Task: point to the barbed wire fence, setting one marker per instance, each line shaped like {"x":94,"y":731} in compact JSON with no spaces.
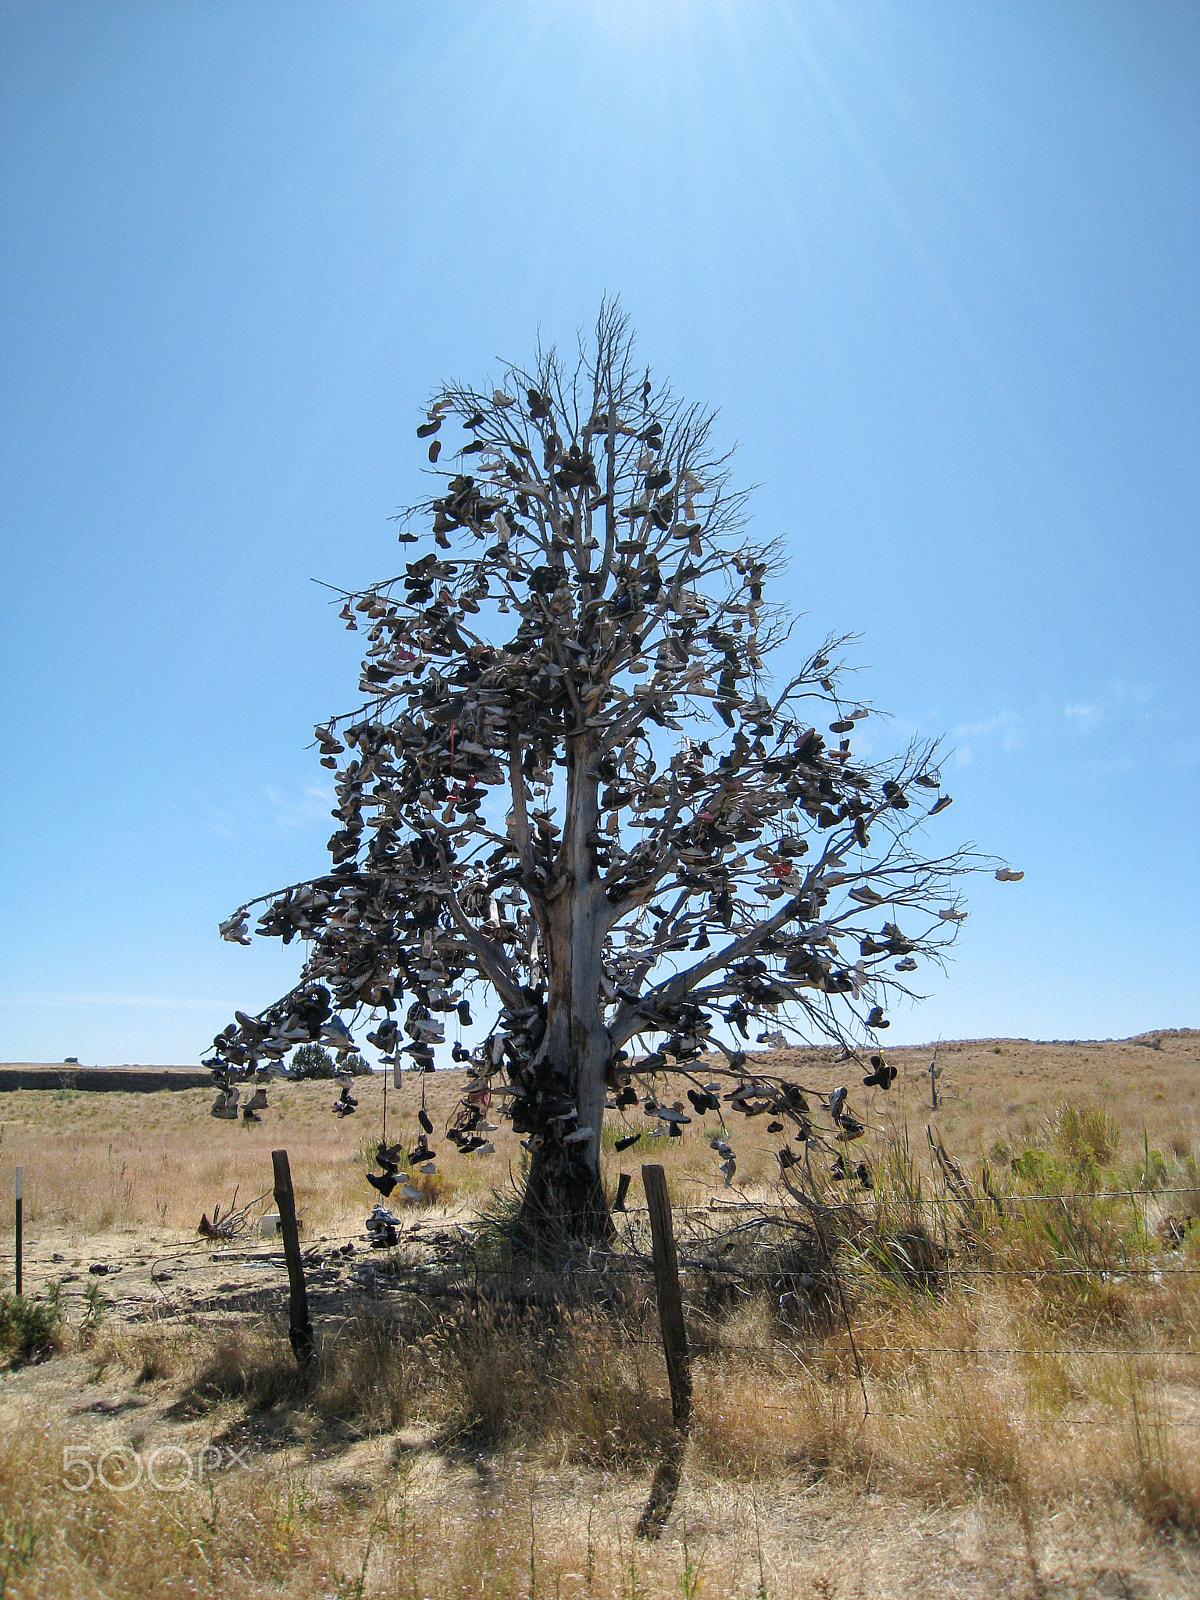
{"x":439,"y":1258}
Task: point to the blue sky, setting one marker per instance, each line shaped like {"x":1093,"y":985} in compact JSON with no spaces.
{"x":935,"y":264}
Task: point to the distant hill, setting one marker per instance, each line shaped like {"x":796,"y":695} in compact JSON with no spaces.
{"x":69,"y":1075}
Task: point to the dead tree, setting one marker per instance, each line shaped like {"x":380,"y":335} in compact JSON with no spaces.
{"x":575,"y":783}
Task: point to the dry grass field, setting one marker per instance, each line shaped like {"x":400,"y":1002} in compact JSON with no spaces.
{"x":1030,"y":1367}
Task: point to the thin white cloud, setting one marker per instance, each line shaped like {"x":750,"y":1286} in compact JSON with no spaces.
{"x":1003,"y":729}
{"x":1118,"y":697}
{"x":1083,"y":717}
{"x":269,"y":810}
{"x":292,"y":811}
{"x":1131,"y":694}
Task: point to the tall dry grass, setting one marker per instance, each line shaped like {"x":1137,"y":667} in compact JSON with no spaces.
{"x":476,"y":1429}
{"x":950,"y":1341}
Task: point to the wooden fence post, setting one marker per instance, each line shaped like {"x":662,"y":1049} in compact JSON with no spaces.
{"x":299,"y":1329}
{"x":20,"y":1229}
{"x":670,"y":1300}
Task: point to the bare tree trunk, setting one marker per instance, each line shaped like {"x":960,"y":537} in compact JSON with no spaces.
{"x":564,"y":1194}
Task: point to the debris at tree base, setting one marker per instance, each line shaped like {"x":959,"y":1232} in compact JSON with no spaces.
{"x":235,"y":1222}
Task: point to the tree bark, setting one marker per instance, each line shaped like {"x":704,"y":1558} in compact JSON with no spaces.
{"x":564,"y":1193}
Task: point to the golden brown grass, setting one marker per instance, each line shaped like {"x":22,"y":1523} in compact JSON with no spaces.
{"x":502,"y":1502}
{"x":153,"y":1163}
{"x":1015,"y":1358}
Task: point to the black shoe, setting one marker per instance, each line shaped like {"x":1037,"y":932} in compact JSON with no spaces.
{"x":882,"y":1076}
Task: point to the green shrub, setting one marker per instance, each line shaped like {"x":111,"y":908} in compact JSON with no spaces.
{"x":1074,"y":1149}
{"x":30,"y":1330}
{"x":314,"y":1061}
{"x":1086,"y":1135}
{"x":1040,"y":1169}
